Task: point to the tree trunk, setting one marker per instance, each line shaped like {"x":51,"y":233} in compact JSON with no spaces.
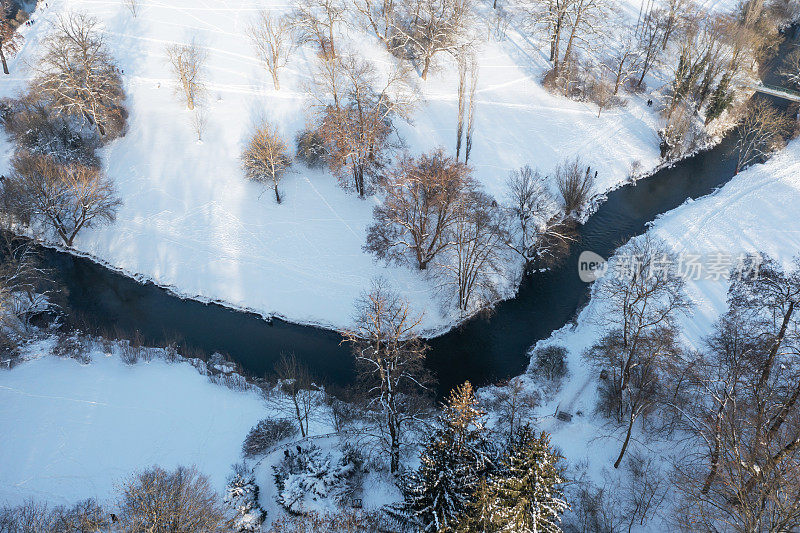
{"x":426,"y":67}
{"x":625,"y":444}
{"x":277,"y":194}
{"x":3,"y":59}
{"x":275,"y":81}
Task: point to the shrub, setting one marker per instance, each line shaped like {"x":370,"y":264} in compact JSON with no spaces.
{"x":574,"y":184}
{"x":179,"y":501}
{"x":309,"y":481}
{"x":550,"y":362}
{"x":35,"y":517}
{"x":242,"y":497}
{"x":266,"y":434}
{"x":73,"y":346}
{"x":311,"y":148}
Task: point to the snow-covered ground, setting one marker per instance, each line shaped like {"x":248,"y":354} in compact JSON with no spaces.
{"x":70,"y":431}
{"x":190,"y":221}
{"x":757,"y":211}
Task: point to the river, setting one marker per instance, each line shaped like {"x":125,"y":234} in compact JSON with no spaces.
{"x":481,"y":350}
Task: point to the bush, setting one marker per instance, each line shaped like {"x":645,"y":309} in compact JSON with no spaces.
{"x":309,"y":481}
{"x":311,"y":148}
{"x":73,"y":346}
{"x":242,"y":497}
{"x":266,"y":434}
{"x":179,"y":501}
{"x":550,"y":362}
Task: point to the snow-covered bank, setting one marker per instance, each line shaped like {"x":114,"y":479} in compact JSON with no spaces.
{"x":72,"y":431}
{"x":191,"y":222}
{"x":757,"y":211}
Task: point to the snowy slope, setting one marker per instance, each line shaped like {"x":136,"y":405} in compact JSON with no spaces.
{"x":191,"y":222}
{"x":757,"y":211}
{"x":72,"y":431}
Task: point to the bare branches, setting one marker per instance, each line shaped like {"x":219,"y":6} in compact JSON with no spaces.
{"x":132,"y":6}
{"x":266,"y":157}
{"x":10,"y":40}
{"x":421,"y":202}
{"x":761,"y":132}
{"x":188,"y":62}
{"x":317,"y":21}
{"x":271,"y":37}
{"x":574,"y":184}
{"x":389,"y":358}
{"x":76,"y":73}
{"x":65,"y":198}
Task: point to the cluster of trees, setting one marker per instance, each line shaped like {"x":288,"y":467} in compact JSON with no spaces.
{"x":435,"y":214}
{"x":469,"y":481}
{"x":734,"y":402}
{"x":11,"y":18}
{"x":73,"y":106}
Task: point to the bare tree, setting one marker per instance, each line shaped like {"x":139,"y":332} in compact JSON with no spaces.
{"x":132,"y":6}
{"x":389,"y":358}
{"x":422,"y":197}
{"x":530,"y":207}
{"x":65,"y":198}
{"x":199,"y":120}
{"x":296,"y":384}
{"x":790,"y":70}
{"x":574,"y":184}
{"x":761,"y":132}
{"x":24,"y":284}
{"x":641,"y":292}
{"x":473,"y":84}
{"x":180,"y":501}
{"x":318,"y":21}
{"x":356,"y":127}
{"x":469,"y":268}
{"x":271,"y":36}
{"x":266,"y":158}
{"x":76,"y":72}
{"x":188,"y":65}
{"x":649,"y":39}
{"x":515,"y":405}
{"x":436,"y":26}
{"x":10,"y":40}
{"x":382,"y":17}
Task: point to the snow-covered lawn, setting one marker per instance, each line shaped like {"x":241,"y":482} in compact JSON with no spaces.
{"x":70,"y":431}
{"x":191,"y":222}
{"x":757,"y":211}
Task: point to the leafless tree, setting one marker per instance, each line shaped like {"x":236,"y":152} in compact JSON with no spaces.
{"x":132,"y":6}
{"x":180,"y":501}
{"x":25,"y":284}
{"x":436,"y":26}
{"x":389,"y":358}
{"x":76,"y":72}
{"x":10,"y":40}
{"x":642,"y":292}
{"x":63,"y":197}
{"x":574,"y":184}
{"x":470,"y":267}
{"x":296,"y":384}
{"x":188,"y":65}
{"x":199,"y":120}
{"x":356,"y":126}
{"x":422,"y":197}
{"x":266,"y":158}
{"x":271,"y":37}
{"x":473,"y":84}
{"x":318,"y":21}
{"x":515,"y":405}
{"x":761,"y":132}
{"x":530,"y":206}
{"x":623,"y":56}
{"x":649,"y":39}
{"x":382,"y":17}
{"x":790,"y":70}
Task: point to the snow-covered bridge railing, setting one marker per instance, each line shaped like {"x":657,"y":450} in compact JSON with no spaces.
{"x":779,"y":92}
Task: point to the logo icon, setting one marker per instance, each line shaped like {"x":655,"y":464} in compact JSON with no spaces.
{"x":591,"y":266}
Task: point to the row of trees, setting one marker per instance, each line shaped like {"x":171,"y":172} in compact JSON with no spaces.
{"x":735,"y":400}
{"x":73,"y":105}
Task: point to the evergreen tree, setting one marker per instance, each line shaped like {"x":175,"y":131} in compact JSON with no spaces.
{"x":456,"y":457}
{"x":720,"y":99}
{"x":524,"y":495}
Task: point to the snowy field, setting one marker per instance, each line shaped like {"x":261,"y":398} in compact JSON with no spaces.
{"x":74,"y":431}
{"x":191,"y":222}
{"x":757,"y":211}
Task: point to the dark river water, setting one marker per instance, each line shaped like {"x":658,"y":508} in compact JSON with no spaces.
{"x":482,"y":350}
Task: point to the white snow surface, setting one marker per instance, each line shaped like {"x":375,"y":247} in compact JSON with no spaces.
{"x":191,"y":222}
{"x":757,"y":211}
{"x":72,"y":431}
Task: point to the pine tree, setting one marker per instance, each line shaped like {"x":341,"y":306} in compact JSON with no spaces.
{"x":524,"y":495}
{"x":720,"y":99}
{"x":455,"y":458}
